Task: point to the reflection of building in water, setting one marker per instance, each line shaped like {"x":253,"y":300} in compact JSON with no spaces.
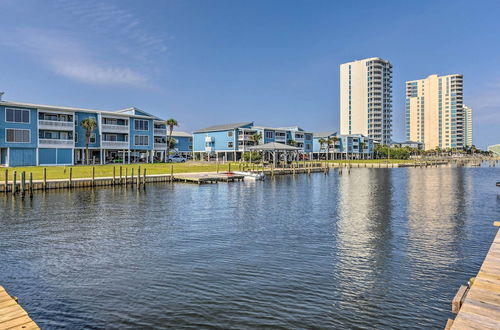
{"x":436,"y":209}
{"x":364,"y":231}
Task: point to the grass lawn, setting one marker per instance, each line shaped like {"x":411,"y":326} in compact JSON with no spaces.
{"x":81,"y":171}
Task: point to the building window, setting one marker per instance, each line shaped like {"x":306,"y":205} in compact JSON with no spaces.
{"x":229,"y":133}
{"x":141,"y":140}
{"x":17,"y":116}
{"x":92,"y":138}
{"x":141,"y":125}
{"x":18,"y":135}
{"x":230,"y":144}
{"x":269,"y":134}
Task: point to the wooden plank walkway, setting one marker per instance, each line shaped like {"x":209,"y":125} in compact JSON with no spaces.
{"x":478,"y":306}
{"x":12,"y":315}
{"x":208,"y":177}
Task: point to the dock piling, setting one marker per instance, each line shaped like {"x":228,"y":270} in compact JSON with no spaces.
{"x":171,"y":173}
{"x":93,"y":176}
{"x":23,"y":183}
{"x":6,"y":180}
{"x":14,"y":182}
{"x":44,"y":178}
{"x":70,"y":177}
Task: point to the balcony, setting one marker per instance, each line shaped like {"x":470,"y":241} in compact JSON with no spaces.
{"x":160,"y":146}
{"x":280,"y":138}
{"x":107,"y":128}
{"x":55,"y":143}
{"x":209,"y":139}
{"x":160,"y":131}
{"x":56,"y":125}
{"x":114,"y":145}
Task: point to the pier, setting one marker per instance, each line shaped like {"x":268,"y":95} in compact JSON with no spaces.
{"x":477,"y":304}
{"x":12,"y":315}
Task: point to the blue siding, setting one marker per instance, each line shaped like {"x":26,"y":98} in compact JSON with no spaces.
{"x":3,"y":156}
{"x":81,"y":131}
{"x":22,"y":157}
{"x":32,"y":126}
{"x":65,"y":156}
{"x":184,"y":143}
{"x":149,"y":133}
{"x":220,"y":141}
{"x":47,"y":156}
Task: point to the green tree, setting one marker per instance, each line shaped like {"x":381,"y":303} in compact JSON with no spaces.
{"x":322,"y":142}
{"x":89,"y":124}
{"x":255,"y":138}
{"x":170,"y":123}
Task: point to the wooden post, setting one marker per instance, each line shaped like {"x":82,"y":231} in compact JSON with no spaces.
{"x":70,"y":177}
{"x":217,"y":166}
{"x":139,"y":178}
{"x":23,"y":183}
{"x":126,"y":176}
{"x":121,"y":181}
{"x":6,"y":180}
{"x":93,"y":176}
{"x":171,"y":173}
{"x":31,"y":183}
{"x":114,"y":175}
{"x":14,"y":183}
{"x":144,"y":180}
{"x":132,"y":182}
{"x":44,"y":178}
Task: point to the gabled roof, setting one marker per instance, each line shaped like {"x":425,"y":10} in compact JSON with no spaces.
{"x":324,"y":134}
{"x":133,"y":111}
{"x":274,"y":146}
{"x":181,"y":134}
{"x":225,"y":127}
{"x":69,"y":109}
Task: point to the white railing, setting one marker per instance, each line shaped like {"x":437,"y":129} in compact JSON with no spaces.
{"x":160,"y":145}
{"x":209,"y":149}
{"x":160,"y":131}
{"x":54,"y":124}
{"x":55,"y":143}
{"x":115,"y":128}
{"x":114,"y":144}
{"x":209,"y":139}
{"x":297,"y":139}
{"x":281,"y":138}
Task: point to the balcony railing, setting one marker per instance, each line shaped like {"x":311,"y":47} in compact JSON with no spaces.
{"x":55,"y":124}
{"x":55,"y":143}
{"x":115,"y":144}
{"x":115,"y":128}
{"x":160,"y":145}
{"x":160,"y":131}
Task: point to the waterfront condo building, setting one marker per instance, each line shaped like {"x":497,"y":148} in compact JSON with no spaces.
{"x":468,"y":126}
{"x":352,"y":146}
{"x":35,"y":134}
{"x":366,"y":99}
{"x":434,"y":111}
{"x":230,"y":141}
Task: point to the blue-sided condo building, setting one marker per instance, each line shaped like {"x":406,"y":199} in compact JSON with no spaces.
{"x":35,"y":134}
{"x":230,"y":141}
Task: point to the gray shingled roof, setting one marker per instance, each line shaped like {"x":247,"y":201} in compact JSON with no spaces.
{"x":324,"y":134}
{"x":274,"y":146}
{"x":225,"y":127}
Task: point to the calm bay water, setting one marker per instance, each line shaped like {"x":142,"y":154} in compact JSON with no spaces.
{"x":378,"y":248}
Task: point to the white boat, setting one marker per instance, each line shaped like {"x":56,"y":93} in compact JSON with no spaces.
{"x":252,"y":175}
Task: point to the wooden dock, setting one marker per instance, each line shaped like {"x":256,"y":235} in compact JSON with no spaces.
{"x":200,"y":178}
{"x":12,"y":315}
{"x":477,"y":304}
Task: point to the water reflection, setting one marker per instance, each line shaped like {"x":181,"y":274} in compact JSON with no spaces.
{"x":376,"y":248}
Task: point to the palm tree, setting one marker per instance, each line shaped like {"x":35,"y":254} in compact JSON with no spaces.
{"x":89,"y":124}
{"x":170,"y":123}
{"x":171,"y":142}
{"x":291,"y":142}
{"x":322,"y":142}
{"x":335,"y":139}
{"x":362,"y":146}
{"x":255,"y":138}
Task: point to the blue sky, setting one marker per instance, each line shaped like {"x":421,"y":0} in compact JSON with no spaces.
{"x":206,"y":62}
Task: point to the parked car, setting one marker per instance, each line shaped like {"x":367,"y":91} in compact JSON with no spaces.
{"x":176,"y":159}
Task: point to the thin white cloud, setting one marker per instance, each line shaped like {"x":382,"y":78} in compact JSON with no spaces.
{"x":68,"y":57}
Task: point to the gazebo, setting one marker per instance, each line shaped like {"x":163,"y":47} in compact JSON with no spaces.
{"x":277,"y":151}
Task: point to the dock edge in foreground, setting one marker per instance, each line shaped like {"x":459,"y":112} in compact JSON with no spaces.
{"x":12,"y":315}
{"x":477,"y":305}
